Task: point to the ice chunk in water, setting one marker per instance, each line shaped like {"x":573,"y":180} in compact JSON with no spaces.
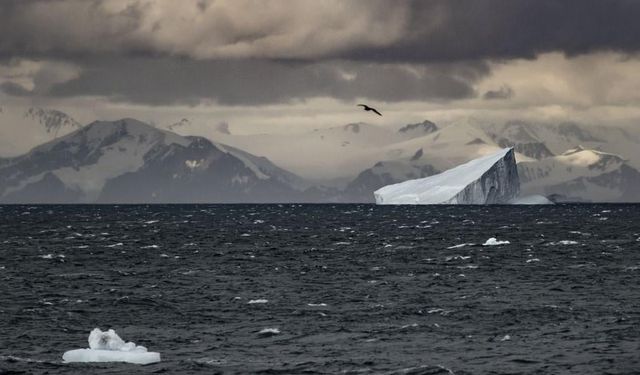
{"x":493,"y":242}
{"x":109,"y":347}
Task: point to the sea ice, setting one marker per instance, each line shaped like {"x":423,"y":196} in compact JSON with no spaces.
{"x":107,"y":346}
{"x":493,"y":242}
{"x":487,"y":180}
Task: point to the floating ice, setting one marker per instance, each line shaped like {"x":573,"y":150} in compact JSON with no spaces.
{"x":109,"y":347}
{"x":487,"y":180}
{"x":269,"y":331}
{"x":493,"y":242}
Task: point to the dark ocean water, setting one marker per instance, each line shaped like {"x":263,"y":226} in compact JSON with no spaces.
{"x":351,"y":288}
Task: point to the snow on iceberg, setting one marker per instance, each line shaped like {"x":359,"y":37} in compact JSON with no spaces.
{"x":109,"y":347}
{"x":486,"y":180}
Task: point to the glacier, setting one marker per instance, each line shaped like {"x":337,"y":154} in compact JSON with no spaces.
{"x":107,"y":346}
{"x":491,"y":179}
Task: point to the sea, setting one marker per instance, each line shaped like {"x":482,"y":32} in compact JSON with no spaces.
{"x":324,"y":289}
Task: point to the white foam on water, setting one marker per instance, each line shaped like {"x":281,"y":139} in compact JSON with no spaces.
{"x":460,"y":245}
{"x":457,"y":257}
{"x":316,"y":304}
{"x":51,"y":256}
{"x":256,"y":301}
{"x":563,"y":242}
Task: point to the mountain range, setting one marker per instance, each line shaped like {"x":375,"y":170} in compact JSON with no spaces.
{"x":128,"y":161}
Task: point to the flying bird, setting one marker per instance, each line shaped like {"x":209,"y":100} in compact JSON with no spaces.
{"x":367,"y":108}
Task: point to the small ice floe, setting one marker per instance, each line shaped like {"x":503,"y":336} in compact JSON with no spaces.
{"x":266,"y":332}
{"x":109,"y":347}
{"x":506,"y":338}
{"x":460,"y":245}
{"x":317,"y":304}
{"x":256,"y":301}
{"x":494,"y":242}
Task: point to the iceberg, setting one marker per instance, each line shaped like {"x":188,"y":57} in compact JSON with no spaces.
{"x":107,"y":346}
{"x":492,"y":179}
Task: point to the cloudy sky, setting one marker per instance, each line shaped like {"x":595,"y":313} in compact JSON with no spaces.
{"x":290,"y":65}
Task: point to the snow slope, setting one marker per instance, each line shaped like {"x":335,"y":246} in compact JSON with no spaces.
{"x":129,"y":161}
{"x":582,"y":174}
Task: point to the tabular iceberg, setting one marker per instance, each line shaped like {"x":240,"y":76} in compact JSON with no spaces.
{"x":492,"y":179}
{"x":109,"y":347}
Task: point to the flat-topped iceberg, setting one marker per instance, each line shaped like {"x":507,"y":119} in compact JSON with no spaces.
{"x":109,"y":347}
{"x":492,"y":179}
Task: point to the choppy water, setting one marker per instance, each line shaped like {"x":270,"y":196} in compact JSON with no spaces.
{"x":351,"y":288}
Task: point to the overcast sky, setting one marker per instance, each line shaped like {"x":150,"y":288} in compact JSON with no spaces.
{"x":276,"y":65}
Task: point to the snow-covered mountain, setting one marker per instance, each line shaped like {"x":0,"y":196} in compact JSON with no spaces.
{"x":582,"y":174}
{"x":541,"y":150}
{"x":52,"y":120}
{"x":320,"y":154}
{"x":129,"y":161}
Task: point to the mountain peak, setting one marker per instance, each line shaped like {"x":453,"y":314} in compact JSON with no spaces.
{"x":52,"y":119}
{"x":425,"y":127}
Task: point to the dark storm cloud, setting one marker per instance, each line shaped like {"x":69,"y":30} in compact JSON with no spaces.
{"x":14,"y":89}
{"x":374,"y":30}
{"x":449,"y":30}
{"x":257,"y":82}
{"x":245,"y":52}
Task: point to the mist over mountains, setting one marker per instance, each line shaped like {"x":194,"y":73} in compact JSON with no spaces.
{"x":128,"y":161}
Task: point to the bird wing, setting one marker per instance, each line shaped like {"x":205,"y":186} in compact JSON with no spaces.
{"x":376,"y":111}
{"x":363,"y":105}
